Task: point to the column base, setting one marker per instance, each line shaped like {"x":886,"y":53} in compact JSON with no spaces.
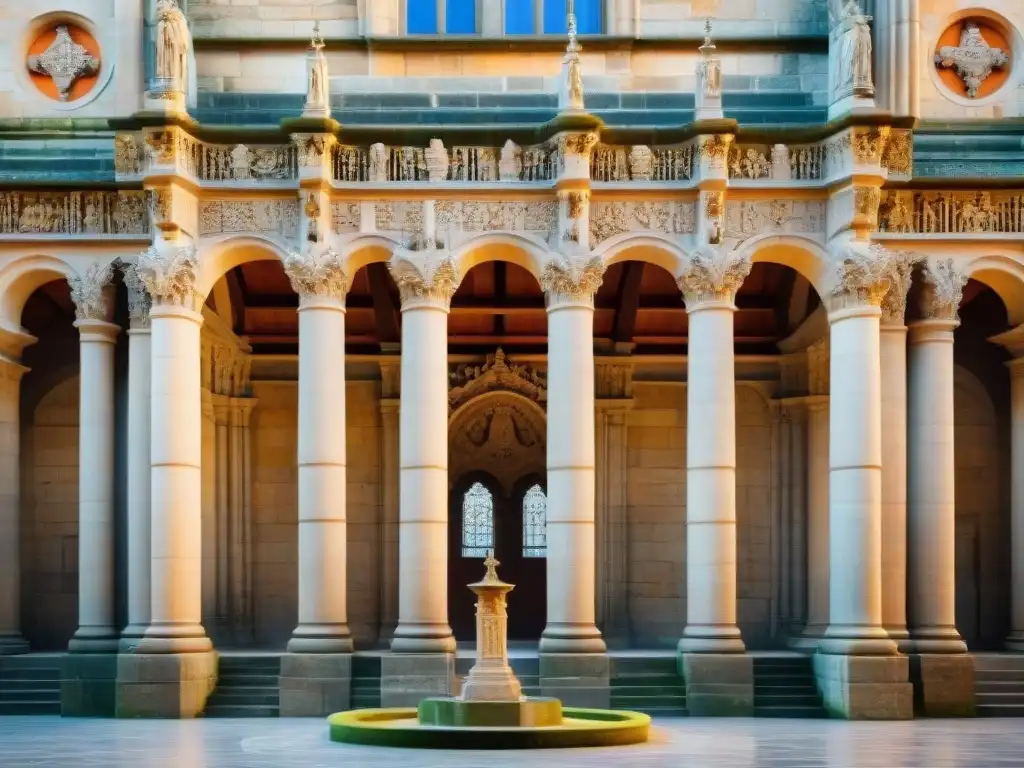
{"x":839,"y":640}
{"x":865,"y":687}
{"x":13,"y":645}
{"x":321,"y":639}
{"x":95,"y":640}
{"x":718,"y":685}
{"x":576,"y":679}
{"x":170,"y":685}
{"x":423,"y":638}
{"x":408,"y":678}
{"x":315,"y":684}
{"x":1015,"y":642}
{"x":87,"y":685}
{"x":561,"y":638}
{"x":173,"y":640}
{"x":131,"y":636}
{"x":943,"y":685}
{"x":715,"y":639}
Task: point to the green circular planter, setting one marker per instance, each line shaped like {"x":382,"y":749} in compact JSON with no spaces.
{"x":400,"y":728}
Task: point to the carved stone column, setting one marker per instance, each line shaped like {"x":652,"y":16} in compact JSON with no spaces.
{"x":422,"y":661}
{"x":1015,"y":640}
{"x":574,"y":662}
{"x":390,"y":374}
{"x":173,"y":669}
{"x":858,"y":669}
{"x":719,"y":677}
{"x":87,"y":687}
{"x":893,"y":368}
{"x":316,"y":673}
{"x":139,"y":438}
{"x":942,"y":673}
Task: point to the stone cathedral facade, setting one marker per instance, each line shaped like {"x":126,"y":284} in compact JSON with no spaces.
{"x":705,"y":317}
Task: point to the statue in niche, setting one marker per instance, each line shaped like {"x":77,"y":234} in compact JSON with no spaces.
{"x":851,"y":41}
{"x":173,"y":42}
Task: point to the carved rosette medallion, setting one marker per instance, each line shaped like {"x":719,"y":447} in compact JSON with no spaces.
{"x":975,"y":59}
{"x":425,"y":278}
{"x":169,"y":274}
{"x":572,"y":280}
{"x":712,"y":275}
{"x":91,"y":292}
{"x":319,"y":274}
{"x":64,"y":62}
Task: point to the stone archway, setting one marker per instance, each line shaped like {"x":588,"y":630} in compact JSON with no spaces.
{"x":497,"y":435}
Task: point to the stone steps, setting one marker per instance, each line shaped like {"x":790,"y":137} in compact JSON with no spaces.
{"x":784,"y":687}
{"x":30,"y":685}
{"x":365,"y":690}
{"x":999,"y":685}
{"x":247,"y":686}
{"x":648,"y":684}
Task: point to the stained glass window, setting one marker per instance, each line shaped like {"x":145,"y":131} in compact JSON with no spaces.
{"x":535,"y":523}
{"x":460,"y":17}
{"x":477,"y":521}
{"x":519,"y":17}
{"x":421,"y":17}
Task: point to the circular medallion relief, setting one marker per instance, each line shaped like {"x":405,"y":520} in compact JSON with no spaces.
{"x":64,"y":61}
{"x":972,"y":58}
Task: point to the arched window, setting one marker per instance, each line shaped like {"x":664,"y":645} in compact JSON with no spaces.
{"x":477,"y":521}
{"x":535,"y":523}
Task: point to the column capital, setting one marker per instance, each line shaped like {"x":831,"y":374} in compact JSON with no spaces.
{"x":140,"y":303}
{"x":169,"y":274}
{"x":425,"y":279}
{"x":711,"y":277}
{"x":894,"y":303}
{"x":92,"y":291}
{"x":943,"y":291}
{"x":568,"y":280}
{"x":864,"y":274}
{"x":319,"y":277}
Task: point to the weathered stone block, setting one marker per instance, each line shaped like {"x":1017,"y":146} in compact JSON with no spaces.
{"x":315,"y":685}
{"x":577,"y":679}
{"x":87,"y":687}
{"x":164,"y":686}
{"x":943,"y":685}
{"x":408,"y":678}
{"x":718,"y":685}
{"x":865,"y":687}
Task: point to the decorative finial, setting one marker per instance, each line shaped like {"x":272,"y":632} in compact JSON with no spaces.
{"x":317,"y":43}
{"x":492,"y":566}
{"x":708,"y":46}
{"x":570,"y":25}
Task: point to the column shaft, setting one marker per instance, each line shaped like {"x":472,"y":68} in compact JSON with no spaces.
{"x":323,"y":616}
{"x":139,"y":494}
{"x":176,"y":541}
{"x":931,"y":490}
{"x":1015,"y":640}
{"x":711,"y":482}
{"x":11,"y":641}
{"x":893,"y":350}
{"x":571,"y":572}
{"x":855,"y":487}
{"x":96,"y":631}
{"x":423,"y":483}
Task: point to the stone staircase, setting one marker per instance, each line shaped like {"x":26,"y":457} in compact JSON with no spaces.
{"x":648,"y":684}
{"x":247,"y":686}
{"x":30,"y":685}
{"x":784,"y":686}
{"x":999,"y":685}
{"x":365,"y":682}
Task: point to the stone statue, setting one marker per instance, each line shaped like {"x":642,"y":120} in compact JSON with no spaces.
{"x":173,"y":43}
{"x":851,"y":50}
{"x":317,"y":85}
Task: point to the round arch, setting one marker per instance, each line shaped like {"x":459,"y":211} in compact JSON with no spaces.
{"x":364,"y":250}
{"x":1005,"y":276}
{"x":523,"y":250}
{"x":649,"y":247}
{"x":20,"y":278}
{"x":217,"y":258}
{"x":805,"y":256}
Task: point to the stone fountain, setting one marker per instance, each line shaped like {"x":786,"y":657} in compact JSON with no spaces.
{"x":491,"y":712}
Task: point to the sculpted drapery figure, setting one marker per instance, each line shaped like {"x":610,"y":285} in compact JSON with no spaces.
{"x":172,"y":43}
{"x":317,"y":83}
{"x":851,"y":50}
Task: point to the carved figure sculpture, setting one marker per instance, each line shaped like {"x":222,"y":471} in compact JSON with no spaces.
{"x":974,"y":59}
{"x":510,"y":165}
{"x":852,"y":50}
{"x":64,"y":61}
{"x":173,"y":43}
{"x":317,"y":78}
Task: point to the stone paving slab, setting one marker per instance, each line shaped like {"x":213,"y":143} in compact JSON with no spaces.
{"x":52,"y":742}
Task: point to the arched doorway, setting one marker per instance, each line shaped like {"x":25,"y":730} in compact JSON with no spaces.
{"x":498,"y":493}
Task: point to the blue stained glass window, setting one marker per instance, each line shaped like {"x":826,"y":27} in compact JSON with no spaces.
{"x":554,"y":17}
{"x":588,"y":17}
{"x":460,"y":17}
{"x":519,"y":17}
{"x":421,"y":17}
{"x":535,"y":523}
{"x":477,"y":521}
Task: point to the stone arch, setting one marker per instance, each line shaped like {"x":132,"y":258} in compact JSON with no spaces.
{"x":20,"y":278}
{"x":806,"y":256}
{"x":220,"y":256}
{"x":650,"y":247}
{"x":367,"y":249}
{"x":523,"y":250}
{"x":1004,"y":275}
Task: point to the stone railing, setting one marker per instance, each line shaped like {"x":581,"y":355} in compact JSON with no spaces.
{"x":777,"y":162}
{"x":237,"y":162}
{"x":74,"y":213}
{"x":610,"y":163}
{"x":931,"y":213}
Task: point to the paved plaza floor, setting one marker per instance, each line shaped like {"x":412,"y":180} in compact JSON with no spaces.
{"x":45,"y":742}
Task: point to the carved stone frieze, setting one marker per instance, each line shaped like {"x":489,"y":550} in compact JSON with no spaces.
{"x":567,"y":279}
{"x":64,"y":62}
{"x":455,"y":216}
{"x":159,"y":147}
{"x":427,"y":278}
{"x":974,"y":59}
{"x":498,"y":373}
{"x":221,"y":217}
{"x":745,"y":219}
{"x":92,"y":292}
{"x":311,"y":148}
{"x":399,"y":216}
{"x":943,"y":290}
{"x":898,"y":155}
{"x":931,"y":213}
{"x":868,"y":144}
{"x":345,"y":217}
{"x":748,"y":163}
{"x":139,"y":301}
{"x":128,"y":154}
{"x":169,"y":274}
{"x":865,"y":203}
{"x":712,"y":274}
{"x":74,"y":213}
{"x":613,"y":380}
{"x":714,"y":215}
{"x":672,"y":217}
{"x":579,"y":144}
{"x":319,"y":273}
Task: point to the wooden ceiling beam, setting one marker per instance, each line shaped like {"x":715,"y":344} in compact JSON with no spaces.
{"x":628,"y":302}
{"x":385,"y":308}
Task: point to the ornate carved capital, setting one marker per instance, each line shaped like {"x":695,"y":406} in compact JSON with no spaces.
{"x":425,"y":278}
{"x":577,"y":143}
{"x":712,"y":274}
{"x":894,"y":303}
{"x":139,"y":300}
{"x":568,"y":279}
{"x":319,"y":274}
{"x":943,"y":290}
{"x":91,"y":292}
{"x":864,"y":275}
{"x":169,"y":274}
